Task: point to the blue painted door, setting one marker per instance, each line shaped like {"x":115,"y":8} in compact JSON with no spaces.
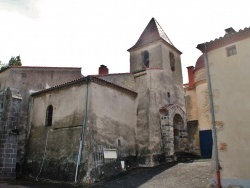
{"x":206,"y":143}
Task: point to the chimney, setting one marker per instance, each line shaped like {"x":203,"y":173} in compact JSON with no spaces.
{"x":103,"y":70}
{"x":229,"y":31}
{"x":190,"y":76}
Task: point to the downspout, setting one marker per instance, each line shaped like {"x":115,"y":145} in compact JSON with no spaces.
{"x":213,"y":119}
{"x":81,"y":146}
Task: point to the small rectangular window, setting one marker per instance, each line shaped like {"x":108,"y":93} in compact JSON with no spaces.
{"x":231,"y":50}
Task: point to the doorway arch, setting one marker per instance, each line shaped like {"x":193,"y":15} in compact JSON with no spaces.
{"x":178,"y":126}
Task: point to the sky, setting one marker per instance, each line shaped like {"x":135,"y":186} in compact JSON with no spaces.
{"x":89,"y":33}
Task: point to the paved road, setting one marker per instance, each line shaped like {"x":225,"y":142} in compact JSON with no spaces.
{"x":182,"y":175}
{"x":134,"y":178}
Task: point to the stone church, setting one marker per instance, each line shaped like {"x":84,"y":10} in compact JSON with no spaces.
{"x":86,"y":128}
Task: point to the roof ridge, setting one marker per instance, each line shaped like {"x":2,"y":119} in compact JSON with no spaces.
{"x":111,"y":74}
{"x":85,"y":79}
{"x":162,"y":33}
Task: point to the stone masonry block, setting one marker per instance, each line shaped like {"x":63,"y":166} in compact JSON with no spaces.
{"x":9,"y":150}
{"x":7,"y":170}
{"x":10,"y":165}
{"x":8,"y":161}
{"x":14,"y":160}
{"x":13,"y":155}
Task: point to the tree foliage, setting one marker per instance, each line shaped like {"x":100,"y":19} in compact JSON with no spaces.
{"x":15,"y":61}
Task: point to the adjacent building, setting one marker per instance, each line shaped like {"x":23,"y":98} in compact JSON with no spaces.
{"x":16,"y":85}
{"x":198,"y":109}
{"x":228,"y":61}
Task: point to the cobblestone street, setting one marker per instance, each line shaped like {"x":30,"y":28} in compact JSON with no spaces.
{"x":182,"y":175}
{"x":194,"y":174}
{"x":186,"y":175}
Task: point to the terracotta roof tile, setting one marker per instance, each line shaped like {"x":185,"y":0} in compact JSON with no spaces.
{"x":225,"y":40}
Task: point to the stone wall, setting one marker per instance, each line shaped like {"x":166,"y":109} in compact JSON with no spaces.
{"x":53,"y":150}
{"x":157,"y":85}
{"x":10,"y":107}
{"x":111,"y":120}
{"x":28,"y":80}
{"x":125,"y":80}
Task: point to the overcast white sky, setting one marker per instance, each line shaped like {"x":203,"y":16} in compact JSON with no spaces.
{"x":88,"y":33}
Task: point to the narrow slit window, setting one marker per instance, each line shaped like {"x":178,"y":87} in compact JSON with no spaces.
{"x":119,"y":142}
{"x":49,"y":115}
{"x":168,"y":93}
{"x":172,"y":61}
{"x":145,"y":56}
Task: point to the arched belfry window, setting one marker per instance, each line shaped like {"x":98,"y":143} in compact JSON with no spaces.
{"x":172,"y":61}
{"x":145,"y":58}
{"x":49,"y":115}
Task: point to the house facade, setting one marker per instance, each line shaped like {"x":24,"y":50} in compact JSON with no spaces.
{"x":228,"y":63}
{"x":101,"y":113}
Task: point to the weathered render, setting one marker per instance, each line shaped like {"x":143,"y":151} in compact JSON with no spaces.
{"x":27,"y":80}
{"x":228,"y":62}
{"x":198,"y":109}
{"x":110,"y":123}
{"x":125,"y":80}
{"x":156,"y":65}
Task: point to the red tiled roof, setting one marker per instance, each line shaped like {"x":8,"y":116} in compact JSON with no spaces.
{"x":225,"y":40}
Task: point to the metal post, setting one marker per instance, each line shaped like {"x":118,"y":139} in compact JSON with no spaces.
{"x":212,"y":118}
{"x":83,"y":131}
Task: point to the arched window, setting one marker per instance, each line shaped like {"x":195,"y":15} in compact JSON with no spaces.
{"x":172,"y":61}
{"x":145,"y":57}
{"x":49,"y":115}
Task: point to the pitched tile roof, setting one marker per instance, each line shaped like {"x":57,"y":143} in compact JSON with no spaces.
{"x":153,"y":32}
{"x":227,"y":39}
{"x":85,"y":80}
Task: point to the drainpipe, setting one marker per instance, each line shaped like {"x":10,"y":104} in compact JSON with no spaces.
{"x":212,"y":118}
{"x":81,"y":146}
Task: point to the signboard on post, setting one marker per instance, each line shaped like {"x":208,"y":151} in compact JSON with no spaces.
{"x":110,"y":154}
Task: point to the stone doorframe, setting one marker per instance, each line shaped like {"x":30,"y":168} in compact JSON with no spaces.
{"x":167,"y":114}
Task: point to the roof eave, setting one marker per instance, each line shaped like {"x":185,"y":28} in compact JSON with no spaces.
{"x":141,"y":46}
{"x":84,"y":80}
{"x":223,"y":41}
